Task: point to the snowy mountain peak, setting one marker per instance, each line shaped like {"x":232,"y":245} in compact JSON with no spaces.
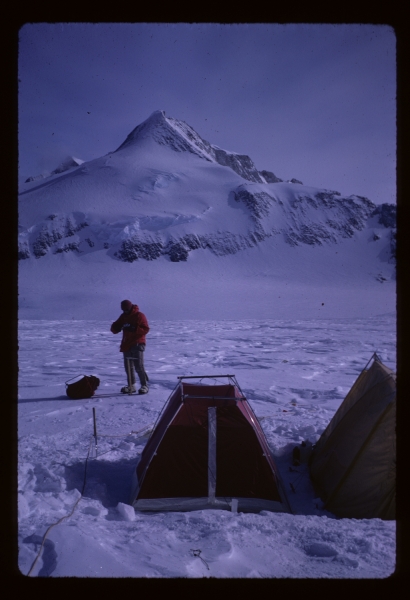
{"x":181,"y":137}
{"x":177,"y":135}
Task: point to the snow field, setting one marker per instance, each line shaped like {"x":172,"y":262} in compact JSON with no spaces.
{"x":295,"y":374}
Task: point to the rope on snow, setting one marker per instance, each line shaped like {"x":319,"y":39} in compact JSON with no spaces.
{"x":62,"y":518}
{"x":81,"y":495}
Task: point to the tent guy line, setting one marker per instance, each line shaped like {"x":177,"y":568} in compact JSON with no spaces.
{"x":84,"y":485}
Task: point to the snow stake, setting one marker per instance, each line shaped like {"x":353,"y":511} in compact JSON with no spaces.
{"x":95,"y":433}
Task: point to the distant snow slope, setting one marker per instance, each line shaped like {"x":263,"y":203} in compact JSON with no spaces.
{"x":167,"y":208}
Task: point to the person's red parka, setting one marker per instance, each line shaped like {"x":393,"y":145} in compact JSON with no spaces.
{"x":129,"y":338}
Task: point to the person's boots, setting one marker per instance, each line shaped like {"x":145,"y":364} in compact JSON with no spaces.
{"x":128,"y":389}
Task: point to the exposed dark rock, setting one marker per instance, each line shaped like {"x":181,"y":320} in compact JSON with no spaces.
{"x":23,"y":251}
{"x":35,"y":178}
{"x":387,"y":214}
{"x":240,"y":163}
{"x":192,"y":241}
{"x":327,"y":197}
{"x":71,"y":227}
{"x":258,"y":203}
{"x":70,"y":247}
{"x":177,"y":252}
{"x":45,"y":240}
{"x":133,"y":249}
{"x":270,"y":177}
{"x":312,"y":235}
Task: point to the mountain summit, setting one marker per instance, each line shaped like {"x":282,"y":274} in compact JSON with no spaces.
{"x":181,"y":137}
{"x":166,"y":196}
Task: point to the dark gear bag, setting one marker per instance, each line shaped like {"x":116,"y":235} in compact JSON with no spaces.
{"x":82,"y":388}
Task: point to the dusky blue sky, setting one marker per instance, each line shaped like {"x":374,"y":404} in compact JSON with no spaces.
{"x":312,"y":101}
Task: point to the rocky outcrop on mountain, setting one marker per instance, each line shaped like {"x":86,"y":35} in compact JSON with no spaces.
{"x":258,"y":203}
{"x":333,"y":217}
{"x":178,"y":249}
{"x":270,"y":177}
{"x":47,"y":235}
{"x":240,"y":163}
{"x":69,"y":163}
{"x":36,"y":177}
{"x":387,"y":214}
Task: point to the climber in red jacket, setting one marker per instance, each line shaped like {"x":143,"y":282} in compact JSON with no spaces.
{"x":134,"y":327}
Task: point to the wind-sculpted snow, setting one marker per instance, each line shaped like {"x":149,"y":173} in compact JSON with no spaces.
{"x":295,"y":373}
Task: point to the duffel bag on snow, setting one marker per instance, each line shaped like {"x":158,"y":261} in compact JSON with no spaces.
{"x":83,"y":387}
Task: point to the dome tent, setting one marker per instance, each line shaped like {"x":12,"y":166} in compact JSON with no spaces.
{"x":207,"y":450}
{"x":353,"y":465}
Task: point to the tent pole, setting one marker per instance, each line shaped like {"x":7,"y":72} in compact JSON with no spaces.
{"x":211,"y":454}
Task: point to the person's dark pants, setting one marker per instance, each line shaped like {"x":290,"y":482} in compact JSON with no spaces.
{"x":136,"y":353}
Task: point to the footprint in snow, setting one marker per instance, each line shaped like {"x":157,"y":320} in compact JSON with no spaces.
{"x":325,"y":552}
{"x":318,"y":550}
